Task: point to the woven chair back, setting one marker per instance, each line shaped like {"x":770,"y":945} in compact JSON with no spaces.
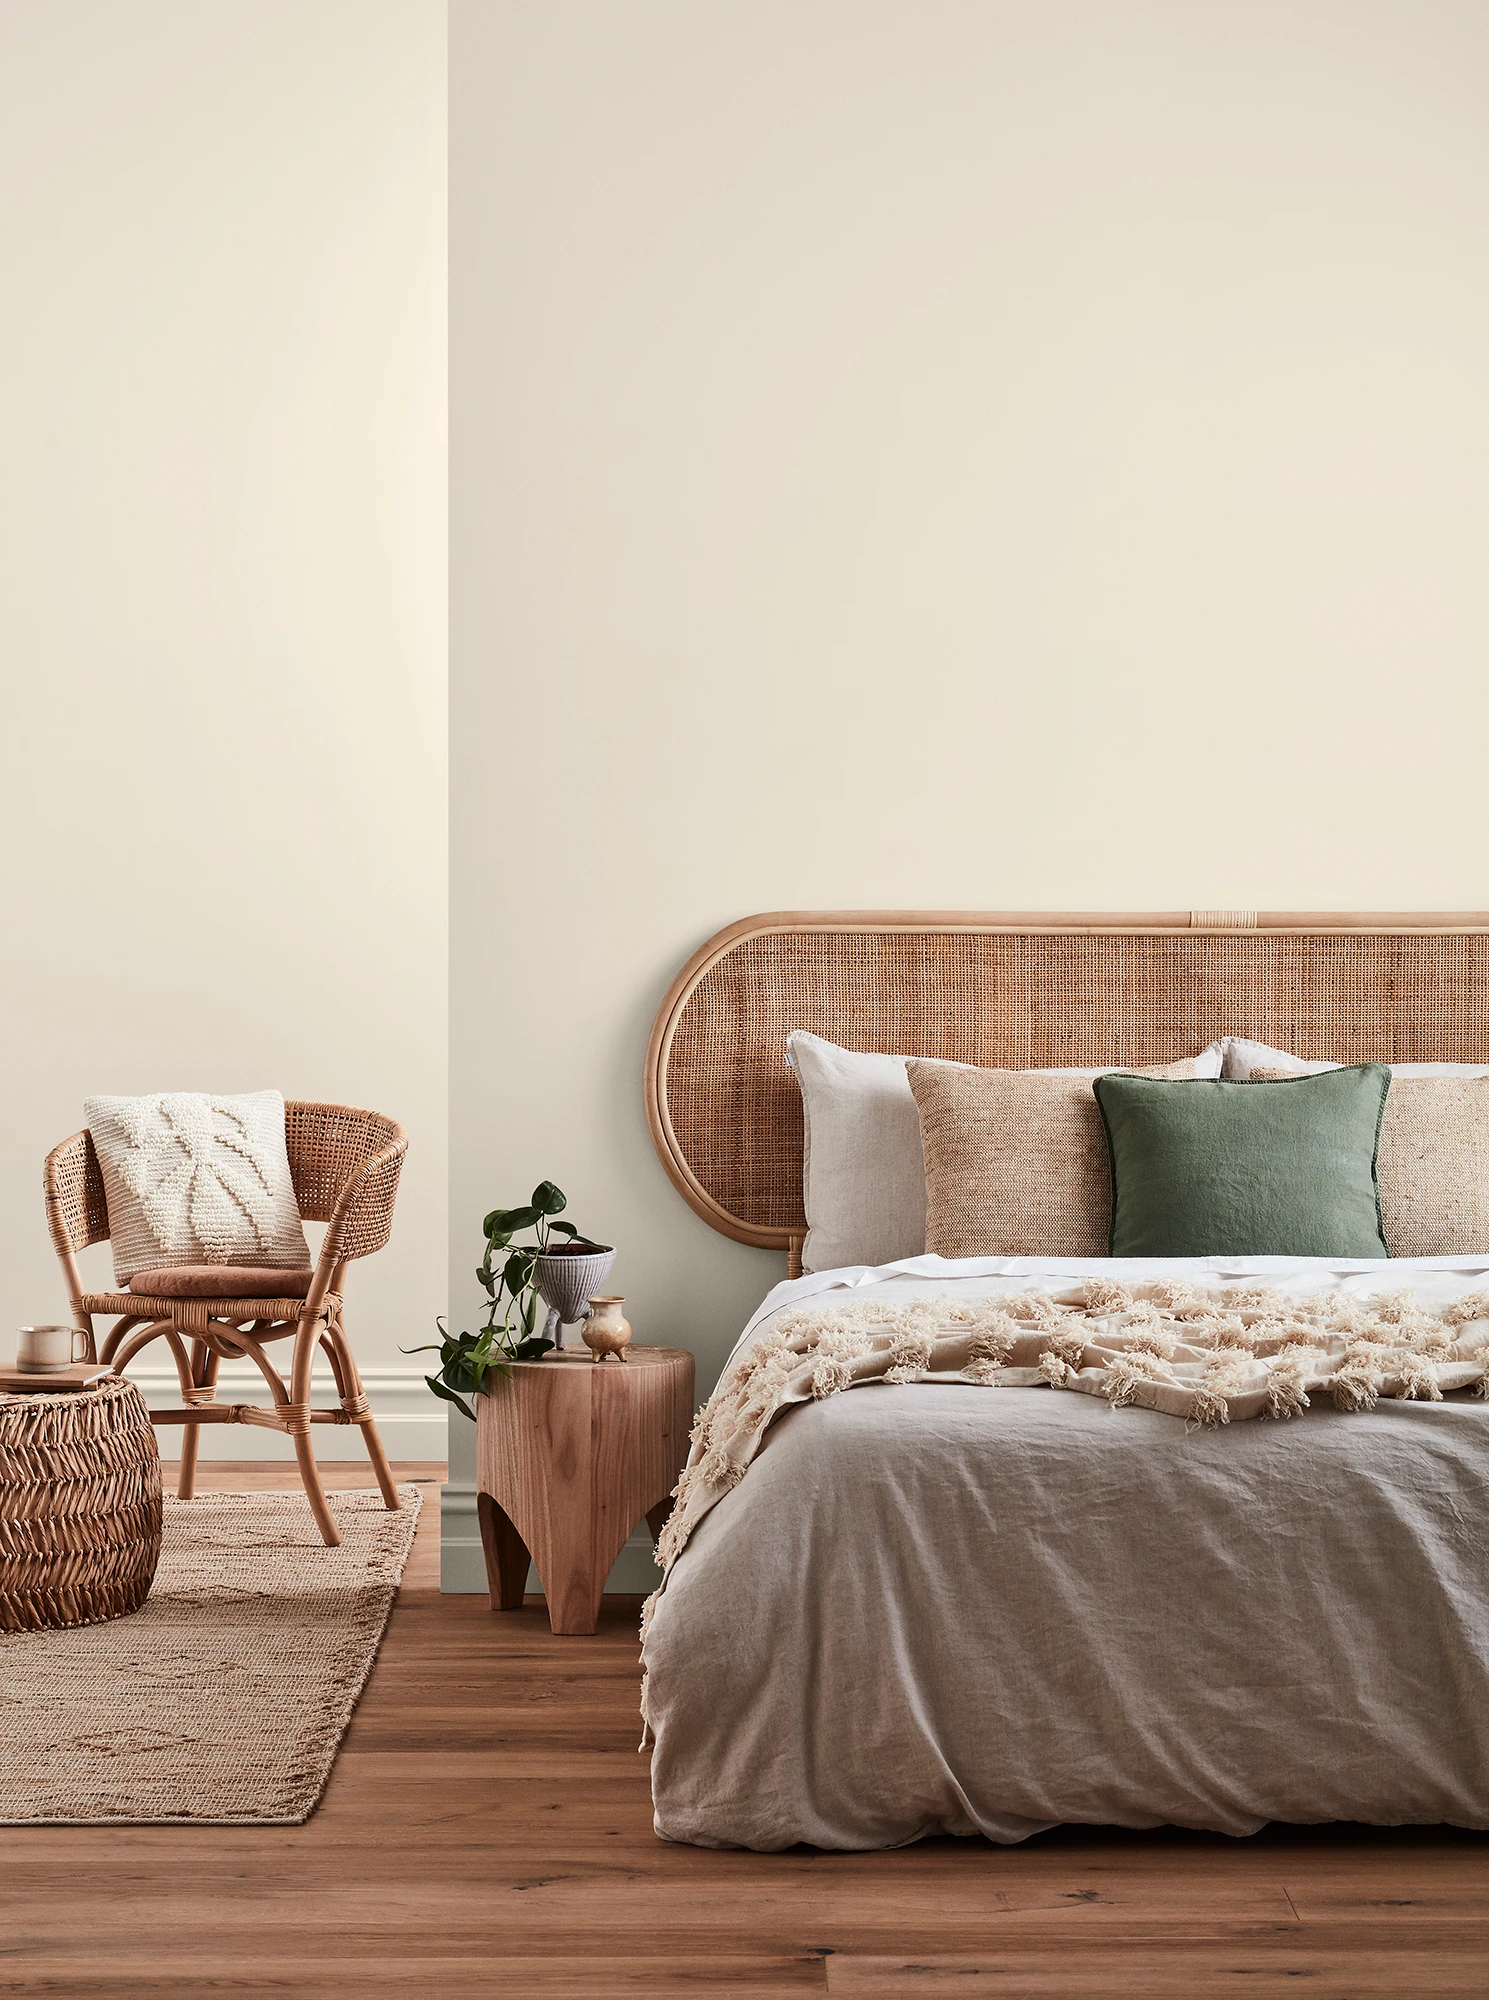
{"x":328,"y":1147}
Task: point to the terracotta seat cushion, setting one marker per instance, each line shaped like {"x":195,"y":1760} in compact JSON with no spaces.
{"x":220,"y":1281}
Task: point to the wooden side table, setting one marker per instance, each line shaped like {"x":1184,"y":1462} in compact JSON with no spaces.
{"x":570,"y":1454}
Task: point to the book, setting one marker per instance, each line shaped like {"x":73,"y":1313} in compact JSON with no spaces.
{"x":51,"y":1381}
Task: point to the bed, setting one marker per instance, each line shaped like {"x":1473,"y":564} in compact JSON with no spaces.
{"x":927,"y":1608}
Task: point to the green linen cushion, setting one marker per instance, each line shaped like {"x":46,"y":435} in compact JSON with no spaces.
{"x":1232,"y":1169}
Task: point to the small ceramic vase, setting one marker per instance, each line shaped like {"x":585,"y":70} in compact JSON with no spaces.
{"x":565,"y":1278}
{"x":607,"y":1330}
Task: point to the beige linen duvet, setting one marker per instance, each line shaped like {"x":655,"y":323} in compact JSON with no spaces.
{"x":946,"y":1607}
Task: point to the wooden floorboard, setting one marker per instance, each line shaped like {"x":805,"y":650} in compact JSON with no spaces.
{"x":487,"y":1830}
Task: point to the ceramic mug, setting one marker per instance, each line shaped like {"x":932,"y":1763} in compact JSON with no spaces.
{"x":40,"y":1349}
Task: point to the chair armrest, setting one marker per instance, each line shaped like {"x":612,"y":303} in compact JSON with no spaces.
{"x":362,"y":1220}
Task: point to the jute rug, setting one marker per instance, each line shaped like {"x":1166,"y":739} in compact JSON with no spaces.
{"x":225,"y":1698}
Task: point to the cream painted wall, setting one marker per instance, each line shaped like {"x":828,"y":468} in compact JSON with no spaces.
{"x":222,"y":593}
{"x":942,"y":453}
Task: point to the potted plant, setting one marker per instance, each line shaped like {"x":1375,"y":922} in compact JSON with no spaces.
{"x":562,"y":1273}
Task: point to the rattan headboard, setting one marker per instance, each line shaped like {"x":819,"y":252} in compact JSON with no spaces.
{"x":1023,"y":991}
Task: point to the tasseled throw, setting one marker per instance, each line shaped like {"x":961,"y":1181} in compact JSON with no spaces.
{"x":1418,"y":1380}
{"x":1104,"y":1295}
{"x":1286,"y":1395}
{"x":1126,"y":1374}
{"x":1167,"y":1347}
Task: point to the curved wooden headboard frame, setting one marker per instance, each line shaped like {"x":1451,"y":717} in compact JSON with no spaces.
{"x":1414,"y":993}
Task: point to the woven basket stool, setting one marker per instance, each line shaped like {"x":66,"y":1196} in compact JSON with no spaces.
{"x":79,"y":1506}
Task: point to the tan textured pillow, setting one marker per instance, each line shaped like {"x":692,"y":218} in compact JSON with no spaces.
{"x":1432,"y":1164}
{"x":1015,"y":1161}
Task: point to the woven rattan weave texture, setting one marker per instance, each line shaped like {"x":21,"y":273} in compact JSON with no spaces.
{"x":1025,"y":992}
{"x":80,"y":1507}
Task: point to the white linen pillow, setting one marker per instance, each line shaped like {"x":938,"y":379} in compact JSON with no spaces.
{"x":196,"y":1179}
{"x":1240,"y":1057}
{"x":863,"y":1167}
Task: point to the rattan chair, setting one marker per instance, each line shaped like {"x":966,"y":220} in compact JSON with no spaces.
{"x":345,"y":1166}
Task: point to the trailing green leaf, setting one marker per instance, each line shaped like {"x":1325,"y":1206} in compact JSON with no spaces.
{"x":529,"y":1350}
{"x":469,"y":1361}
{"x":517,"y":1272}
{"x":449,"y":1396}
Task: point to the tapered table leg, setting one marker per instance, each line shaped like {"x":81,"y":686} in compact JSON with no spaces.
{"x":506,"y":1556}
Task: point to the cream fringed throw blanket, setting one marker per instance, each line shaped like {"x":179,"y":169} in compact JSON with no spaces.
{"x":1206,"y":1357}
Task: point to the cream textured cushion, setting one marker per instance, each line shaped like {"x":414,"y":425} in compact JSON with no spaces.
{"x":863,"y":1172}
{"x":1241,"y":1059}
{"x":1016,"y":1161}
{"x":1432,"y":1162}
{"x":192,"y":1179}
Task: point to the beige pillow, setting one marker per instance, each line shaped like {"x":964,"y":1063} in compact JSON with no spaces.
{"x":1015,"y":1161}
{"x":1432,"y":1164}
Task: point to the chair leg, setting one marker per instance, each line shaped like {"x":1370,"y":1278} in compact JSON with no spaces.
{"x":299,"y":1426}
{"x":380,"y":1465}
{"x":186,"y":1477}
{"x":349,"y":1386}
{"x":204,"y":1365}
{"x":315,"y":1493}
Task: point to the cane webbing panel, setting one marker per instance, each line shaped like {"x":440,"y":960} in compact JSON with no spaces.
{"x":726,"y":1114}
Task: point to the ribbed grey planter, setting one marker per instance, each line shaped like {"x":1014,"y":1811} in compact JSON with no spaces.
{"x":565,"y":1279}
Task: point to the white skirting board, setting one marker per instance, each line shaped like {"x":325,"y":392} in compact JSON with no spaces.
{"x":462,"y":1567}
{"x":410,"y":1421}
